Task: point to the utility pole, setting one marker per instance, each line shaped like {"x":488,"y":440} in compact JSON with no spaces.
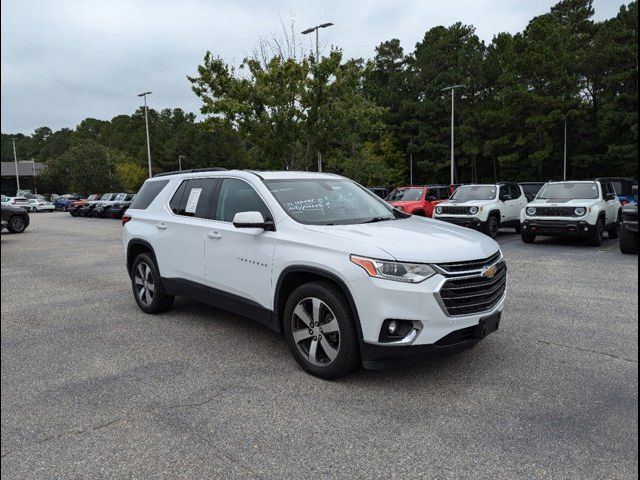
{"x":453,"y":108}
{"x":180,"y":157}
{"x":411,"y":161}
{"x":15,"y":159}
{"x":564,"y":177}
{"x":35,"y":186}
{"x":305,"y":32}
{"x":146,"y":122}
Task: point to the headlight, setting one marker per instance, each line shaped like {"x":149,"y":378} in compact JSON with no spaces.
{"x":397,"y":271}
{"x":473,"y":210}
{"x":580,"y":211}
{"x":531,"y":211}
{"x":438,"y":210}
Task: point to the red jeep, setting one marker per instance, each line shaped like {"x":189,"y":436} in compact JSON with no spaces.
{"x":418,"y":200}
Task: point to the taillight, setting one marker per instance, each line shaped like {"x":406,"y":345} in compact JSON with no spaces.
{"x":125,"y":219}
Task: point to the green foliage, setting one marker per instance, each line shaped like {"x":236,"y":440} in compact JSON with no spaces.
{"x":278,"y":109}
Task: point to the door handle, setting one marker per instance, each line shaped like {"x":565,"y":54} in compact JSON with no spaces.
{"x":214,"y":235}
{"x":162,"y":226}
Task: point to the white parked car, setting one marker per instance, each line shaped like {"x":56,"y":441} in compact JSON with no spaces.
{"x":484,"y":207}
{"x":344,"y":276}
{"x":39,"y":205}
{"x":16,"y":202}
{"x":573,"y":209}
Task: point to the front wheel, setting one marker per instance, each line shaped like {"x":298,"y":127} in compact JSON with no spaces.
{"x":492,"y":226}
{"x":628,"y":241}
{"x":598,"y":233}
{"x":147,"y":287}
{"x":527,"y":236}
{"x":17,"y":224}
{"x":319,"y":330}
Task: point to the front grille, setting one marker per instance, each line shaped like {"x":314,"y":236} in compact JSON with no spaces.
{"x":555,"y":212}
{"x":457,"y":267}
{"x":455,"y":210}
{"x":630,"y":216}
{"x":474,"y":294}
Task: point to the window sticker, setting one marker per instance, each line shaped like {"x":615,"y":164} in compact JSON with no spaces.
{"x":299,"y":206}
{"x":192,"y":201}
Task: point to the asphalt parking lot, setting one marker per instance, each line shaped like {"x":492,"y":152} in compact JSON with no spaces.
{"x":94,"y":388}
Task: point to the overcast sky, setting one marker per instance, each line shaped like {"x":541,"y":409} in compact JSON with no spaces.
{"x":65,"y":60}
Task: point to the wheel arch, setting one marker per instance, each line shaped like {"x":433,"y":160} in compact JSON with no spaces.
{"x":494,"y":213}
{"x":293,"y":276}
{"x":135,"y":247}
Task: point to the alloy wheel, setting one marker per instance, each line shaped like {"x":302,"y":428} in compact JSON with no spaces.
{"x":144,"y":285}
{"x":17,"y":223}
{"x":316,"y":331}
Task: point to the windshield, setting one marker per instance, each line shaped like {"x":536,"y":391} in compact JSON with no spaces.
{"x":329,"y":202}
{"x":106,"y":197}
{"x":568,"y":191}
{"x":120,"y":196}
{"x":475,"y":192}
{"x":405,"y":195}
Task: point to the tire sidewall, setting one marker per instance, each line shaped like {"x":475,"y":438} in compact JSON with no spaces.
{"x":160,"y":301}
{"x":348,"y":356}
{"x":489,"y":230}
{"x":22,"y":226}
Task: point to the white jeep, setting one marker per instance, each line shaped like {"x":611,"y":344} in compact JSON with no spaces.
{"x":484,"y":207}
{"x":575,"y":209}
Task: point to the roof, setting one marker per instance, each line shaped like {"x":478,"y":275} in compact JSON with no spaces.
{"x":25,"y":169}
{"x":264,"y":175}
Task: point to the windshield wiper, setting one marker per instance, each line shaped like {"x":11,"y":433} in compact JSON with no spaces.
{"x":379,"y":219}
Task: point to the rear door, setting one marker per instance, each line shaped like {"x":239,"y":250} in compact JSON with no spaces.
{"x":239,"y":261}
{"x":612,"y":204}
{"x":179,"y":238}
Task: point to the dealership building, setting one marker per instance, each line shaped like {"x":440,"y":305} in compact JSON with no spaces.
{"x":28,"y":173}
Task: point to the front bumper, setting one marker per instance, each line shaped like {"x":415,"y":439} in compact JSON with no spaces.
{"x":381,"y":356}
{"x":469,"y":222}
{"x":558,"y":228}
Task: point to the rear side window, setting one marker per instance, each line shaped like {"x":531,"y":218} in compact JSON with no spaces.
{"x":193,"y":197}
{"x":147,"y":194}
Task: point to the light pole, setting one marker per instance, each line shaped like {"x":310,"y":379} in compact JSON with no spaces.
{"x":180,"y":157}
{"x":35,"y":185}
{"x":305,"y":32}
{"x":146,"y":122}
{"x":15,"y":159}
{"x":453,"y":108}
{"x":411,"y":161}
{"x":564,"y":177}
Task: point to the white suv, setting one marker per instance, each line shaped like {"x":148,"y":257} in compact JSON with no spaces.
{"x":576,"y":209}
{"x":345,"y":277}
{"x":484,"y":207}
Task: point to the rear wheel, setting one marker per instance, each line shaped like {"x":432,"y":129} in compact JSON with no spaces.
{"x":527,"y":237}
{"x":492,"y":226}
{"x":17,"y":224}
{"x":319,"y":330}
{"x":598,"y":233}
{"x":147,"y":287}
{"x":628,"y":241}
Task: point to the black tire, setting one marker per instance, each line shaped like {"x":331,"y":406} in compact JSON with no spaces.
{"x":492,"y":226}
{"x":628,"y":241}
{"x":518,"y":227}
{"x":613,"y":231}
{"x":74,"y":213}
{"x":598,"y":233}
{"x":17,"y":224}
{"x":527,"y":236}
{"x":147,"y":287}
{"x":334,"y":310}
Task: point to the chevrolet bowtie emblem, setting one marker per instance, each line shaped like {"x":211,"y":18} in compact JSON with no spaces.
{"x":489,"y":272}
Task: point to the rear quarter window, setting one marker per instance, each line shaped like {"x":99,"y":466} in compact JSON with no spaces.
{"x":147,"y":194}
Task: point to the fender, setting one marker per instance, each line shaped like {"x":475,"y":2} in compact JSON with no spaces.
{"x":321,"y":273}
{"x":138,"y":241}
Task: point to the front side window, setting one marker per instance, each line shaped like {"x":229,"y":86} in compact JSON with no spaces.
{"x":568,"y":191}
{"x":329,"y":202}
{"x":475,"y":192}
{"x":238,"y":196}
{"x":405,"y":195}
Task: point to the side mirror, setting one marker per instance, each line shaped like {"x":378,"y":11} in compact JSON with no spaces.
{"x":609,"y":196}
{"x":252,"y":220}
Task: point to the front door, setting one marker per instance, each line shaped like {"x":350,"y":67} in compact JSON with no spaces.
{"x":239,"y":261}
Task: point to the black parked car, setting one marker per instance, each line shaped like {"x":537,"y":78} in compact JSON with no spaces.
{"x":117,"y":209}
{"x":531,"y":189}
{"x":382,"y":192}
{"x":14,"y":219}
{"x":629,"y":225}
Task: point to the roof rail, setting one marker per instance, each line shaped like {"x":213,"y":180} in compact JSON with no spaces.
{"x":190,"y":170}
{"x":255,"y":173}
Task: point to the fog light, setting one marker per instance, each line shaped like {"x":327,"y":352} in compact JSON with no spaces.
{"x":392,"y":327}
{"x":586,"y":229}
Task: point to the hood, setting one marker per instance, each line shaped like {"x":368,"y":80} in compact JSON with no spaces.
{"x":404,"y":203}
{"x":468,"y":203}
{"x":559,"y":202}
{"x":414,"y":239}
